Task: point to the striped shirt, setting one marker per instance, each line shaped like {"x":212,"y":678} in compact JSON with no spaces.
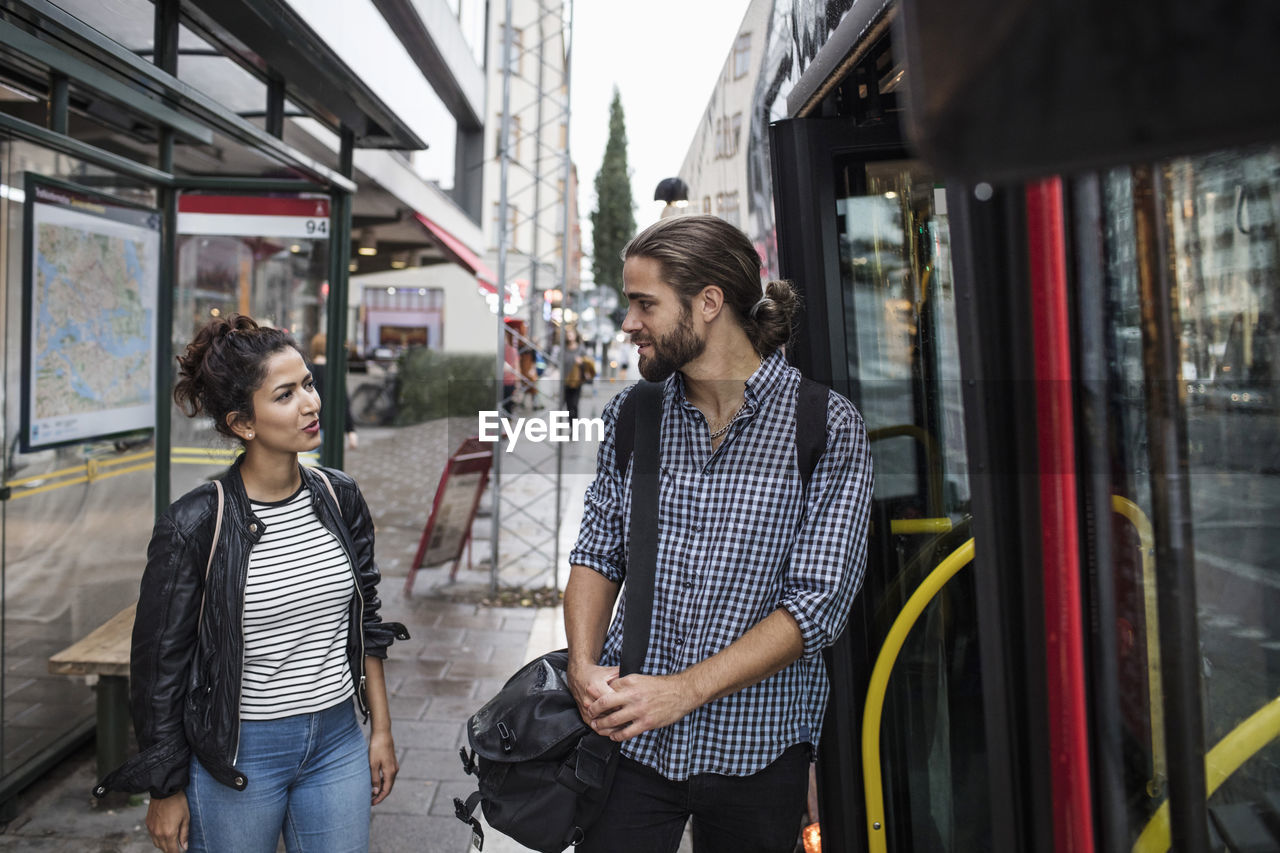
{"x":738,"y":537}
{"x":297,"y":601}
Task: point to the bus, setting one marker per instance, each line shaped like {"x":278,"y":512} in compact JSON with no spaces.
{"x":1039,"y":248}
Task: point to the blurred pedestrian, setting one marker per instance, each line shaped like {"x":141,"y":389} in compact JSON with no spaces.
{"x":579,"y":370}
{"x":248,"y":650}
{"x":510,"y":373}
{"x":756,"y":571}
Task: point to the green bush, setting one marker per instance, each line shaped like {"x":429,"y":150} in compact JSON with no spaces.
{"x":434,"y":385}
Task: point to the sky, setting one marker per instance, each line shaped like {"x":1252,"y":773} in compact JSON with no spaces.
{"x":664,"y":56}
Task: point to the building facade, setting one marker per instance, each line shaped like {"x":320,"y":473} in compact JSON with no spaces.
{"x":530,"y":205}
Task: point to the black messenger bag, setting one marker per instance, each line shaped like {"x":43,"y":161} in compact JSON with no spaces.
{"x":544,"y":774}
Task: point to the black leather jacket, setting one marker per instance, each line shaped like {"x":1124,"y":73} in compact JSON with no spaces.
{"x":185,"y":691}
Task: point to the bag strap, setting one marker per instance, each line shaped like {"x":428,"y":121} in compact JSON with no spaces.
{"x":642,"y":553}
{"x":329,"y":486}
{"x":811,"y":427}
{"x":213,"y":547}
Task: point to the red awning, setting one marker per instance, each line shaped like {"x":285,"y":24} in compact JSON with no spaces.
{"x":461,"y":255}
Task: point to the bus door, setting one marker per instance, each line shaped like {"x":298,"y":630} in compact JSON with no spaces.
{"x":863,"y":233}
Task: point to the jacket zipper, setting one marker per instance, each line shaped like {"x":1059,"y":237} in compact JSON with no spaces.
{"x":357,"y":618}
{"x":244,"y":580}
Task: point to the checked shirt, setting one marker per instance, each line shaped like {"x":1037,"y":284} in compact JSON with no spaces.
{"x":738,"y":537}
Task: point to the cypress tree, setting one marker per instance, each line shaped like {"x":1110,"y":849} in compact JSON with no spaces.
{"x":613,"y":222}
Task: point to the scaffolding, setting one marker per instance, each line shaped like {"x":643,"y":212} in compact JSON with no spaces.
{"x":537,"y":36}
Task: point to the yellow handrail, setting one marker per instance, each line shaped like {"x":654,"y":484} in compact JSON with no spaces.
{"x":1146,"y":542}
{"x":879,"y":684}
{"x":1224,"y":759}
{"x":919,"y":526}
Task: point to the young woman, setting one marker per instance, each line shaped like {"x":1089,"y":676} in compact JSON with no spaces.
{"x":247,"y":651}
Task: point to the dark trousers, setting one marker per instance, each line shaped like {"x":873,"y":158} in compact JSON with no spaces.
{"x":761,"y":813}
{"x":571,"y":398}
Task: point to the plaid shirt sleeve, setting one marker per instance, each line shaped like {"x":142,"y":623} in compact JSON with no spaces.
{"x":601,"y":543}
{"x":830,"y":552}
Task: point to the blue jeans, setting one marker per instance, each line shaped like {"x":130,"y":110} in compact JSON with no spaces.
{"x":761,"y":813}
{"x":308,"y":777}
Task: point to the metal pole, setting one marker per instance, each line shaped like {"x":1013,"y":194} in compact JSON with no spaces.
{"x":564,"y":290}
{"x":168,"y":197}
{"x":332,"y":416}
{"x":504,"y":237}
{"x":1180,"y":654}
{"x":59,"y":89}
{"x":535,"y":258}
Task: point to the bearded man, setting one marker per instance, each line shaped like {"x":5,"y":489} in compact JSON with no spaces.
{"x":756,"y":570}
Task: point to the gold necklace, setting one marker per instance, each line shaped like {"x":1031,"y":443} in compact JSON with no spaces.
{"x":727,"y":424}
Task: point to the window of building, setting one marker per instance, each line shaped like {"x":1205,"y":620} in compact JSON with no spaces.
{"x":516,"y":63}
{"x":727,"y":208}
{"x":728,"y":133}
{"x":513,"y":217}
{"x":515,"y":138}
{"x":742,"y":56}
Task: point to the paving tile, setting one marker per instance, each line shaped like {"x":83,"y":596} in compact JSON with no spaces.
{"x":399,"y":833}
{"x":427,"y":734}
{"x":460,"y":687}
{"x":442,"y":804}
{"x":451,"y":708}
{"x":505,"y":639}
{"x":479,"y":619}
{"x":438,"y":765}
{"x":420,"y":676}
{"x":406,"y":707}
{"x":487,"y":688}
{"x":477,"y":669}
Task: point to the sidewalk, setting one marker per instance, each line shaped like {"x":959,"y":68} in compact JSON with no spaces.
{"x":460,"y":654}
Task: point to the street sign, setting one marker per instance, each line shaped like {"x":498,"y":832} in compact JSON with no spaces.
{"x":448,"y":528}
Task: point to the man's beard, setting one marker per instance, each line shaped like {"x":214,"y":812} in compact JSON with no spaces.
{"x":672,"y":351}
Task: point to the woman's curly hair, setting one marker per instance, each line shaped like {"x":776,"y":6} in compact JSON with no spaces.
{"x":225,"y":363}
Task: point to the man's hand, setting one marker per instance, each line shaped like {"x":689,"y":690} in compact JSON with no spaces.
{"x":588,"y":683}
{"x":168,"y":822}
{"x":641,"y":703}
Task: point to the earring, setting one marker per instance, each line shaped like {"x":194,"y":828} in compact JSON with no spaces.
{"x":249,"y":436}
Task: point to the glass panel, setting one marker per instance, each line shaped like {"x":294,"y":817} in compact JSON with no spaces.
{"x":279,"y":281}
{"x":56,"y":590}
{"x":903,"y":357}
{"x":1221,"y":213}
{"x":1137,"y":644}
{"x":1224,"y":210}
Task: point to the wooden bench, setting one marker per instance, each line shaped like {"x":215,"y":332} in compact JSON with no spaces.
{"x":105,"y":654}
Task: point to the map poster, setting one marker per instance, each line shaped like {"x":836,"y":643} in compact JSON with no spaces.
{"x":89,"y":315}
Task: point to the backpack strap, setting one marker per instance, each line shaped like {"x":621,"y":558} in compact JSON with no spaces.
{"x":329,"y":486}
{"x":811,"y":427}
{"x":624,"y":433}
{"x":213,"y":547}
{"x":642,"y":549}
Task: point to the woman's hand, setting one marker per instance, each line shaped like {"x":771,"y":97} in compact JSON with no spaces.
{"x":168,"y":822}
{"x":382,"y":765}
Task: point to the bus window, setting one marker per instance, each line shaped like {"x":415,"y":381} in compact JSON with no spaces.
{"x":1221,"y":217}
